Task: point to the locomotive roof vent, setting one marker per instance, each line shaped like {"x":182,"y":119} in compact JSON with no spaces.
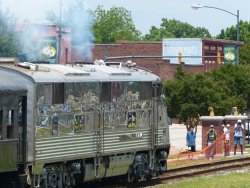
{"x":99,"y":62}
{"x":130,"y":64}
{"x":28,"y":65}
{"x":109,"y":70}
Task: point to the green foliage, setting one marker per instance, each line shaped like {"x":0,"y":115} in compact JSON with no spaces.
{"x":231,"y":34}
{"x":189,"y":96}
{"x":176,"y":29}
{"x":114,"y":24}
{"x":9,"y":45}
{"x":245,"y":54}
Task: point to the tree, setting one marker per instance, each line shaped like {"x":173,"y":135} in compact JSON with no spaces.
{"x":175,"y":29}
{"x":189,"y":96}
{"x":114,"y":24}
{"x":9,"y":44}
{"x":231,"y":34}
{"x":244,"y":54}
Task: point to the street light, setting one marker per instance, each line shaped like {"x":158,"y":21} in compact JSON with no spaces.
{"x":197,"y":6}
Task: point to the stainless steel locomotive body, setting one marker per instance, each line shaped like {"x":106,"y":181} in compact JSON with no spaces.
{"x":87,"y":122}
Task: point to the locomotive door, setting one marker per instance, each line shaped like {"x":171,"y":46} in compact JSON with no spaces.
{"x":158,"y":116}
{"x":12,"y":125}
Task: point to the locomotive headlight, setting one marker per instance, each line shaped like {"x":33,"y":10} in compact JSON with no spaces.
{"x":76,"y":167}
{"x":163,"y":154}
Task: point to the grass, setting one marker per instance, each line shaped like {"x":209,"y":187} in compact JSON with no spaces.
{"x":238,"y":179}
{"x":247,"y":146}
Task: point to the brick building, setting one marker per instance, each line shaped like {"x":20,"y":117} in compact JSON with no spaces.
{"x":161,"y":67}
{"x":40,"y":34}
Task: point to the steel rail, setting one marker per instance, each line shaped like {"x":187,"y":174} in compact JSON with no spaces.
{"x":179,"y":173}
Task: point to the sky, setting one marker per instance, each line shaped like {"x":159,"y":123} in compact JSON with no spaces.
{"x":147,"y":13}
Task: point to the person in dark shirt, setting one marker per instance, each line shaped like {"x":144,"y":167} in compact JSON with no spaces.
{"x":211,"y":137}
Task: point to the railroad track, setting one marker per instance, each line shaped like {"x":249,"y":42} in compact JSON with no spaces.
{"x":183,"y":172}
{"x":196,"y":170}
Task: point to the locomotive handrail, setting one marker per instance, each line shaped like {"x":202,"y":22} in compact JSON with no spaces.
{"x":176,"y":56}
{"x":9,"y":140}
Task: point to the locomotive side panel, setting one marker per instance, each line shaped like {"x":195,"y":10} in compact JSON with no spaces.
{"x":90,"y":122}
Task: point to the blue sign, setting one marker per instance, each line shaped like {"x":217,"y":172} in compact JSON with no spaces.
{"x":186,"y":46}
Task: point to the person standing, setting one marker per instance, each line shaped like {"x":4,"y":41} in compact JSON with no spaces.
{"x":238,"y":136}
{"x":226,"y":140}
{"x":211,"y":137}
{"x":190,"y":139}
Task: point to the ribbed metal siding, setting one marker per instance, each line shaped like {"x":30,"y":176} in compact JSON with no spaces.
{"x":113,"y":144}
{"x":58,"y":148}
{"x":163,"y":138}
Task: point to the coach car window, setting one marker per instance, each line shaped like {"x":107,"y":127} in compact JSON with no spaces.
{"x":10,"y":124}
{"x":105,"y":92}
{"x":10,"y":117}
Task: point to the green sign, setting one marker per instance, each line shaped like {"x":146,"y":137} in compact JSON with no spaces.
{"x":229,"y":54}
{"x":49,"y":49}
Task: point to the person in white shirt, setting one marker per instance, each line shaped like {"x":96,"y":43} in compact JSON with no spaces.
{"x":226,"y":139}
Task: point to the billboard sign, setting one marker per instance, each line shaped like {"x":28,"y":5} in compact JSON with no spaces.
{"x":187,"y":46}
{"x":48,"y":49}
{"x":229,"y":54}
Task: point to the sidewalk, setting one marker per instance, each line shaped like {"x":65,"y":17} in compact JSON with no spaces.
{"x":178,"y":134}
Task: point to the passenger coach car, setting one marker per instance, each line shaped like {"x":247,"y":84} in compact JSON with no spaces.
{"x":61,"y":125}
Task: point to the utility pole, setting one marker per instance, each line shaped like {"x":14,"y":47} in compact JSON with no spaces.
{"x":60,"y":33}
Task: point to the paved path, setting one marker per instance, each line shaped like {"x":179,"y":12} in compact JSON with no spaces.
{"x":178,"y":134}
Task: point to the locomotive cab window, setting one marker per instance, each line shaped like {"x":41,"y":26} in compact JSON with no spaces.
{"x":44,"y":93}
{"x":126,"y":91}
{"x":81,"y":92}
{"x":105,"y":92}
{"x":50,"y":93}
{"x":157,"y":92}
{"x":58,"y":93}
{"x":146,"y":90}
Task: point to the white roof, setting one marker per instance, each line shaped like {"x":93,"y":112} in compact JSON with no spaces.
{"x":84,"y":73}
{"x":66,"y":70}
{"x":110,"y":70}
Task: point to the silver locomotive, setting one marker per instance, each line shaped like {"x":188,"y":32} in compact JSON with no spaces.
{"x":61,"y":125}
